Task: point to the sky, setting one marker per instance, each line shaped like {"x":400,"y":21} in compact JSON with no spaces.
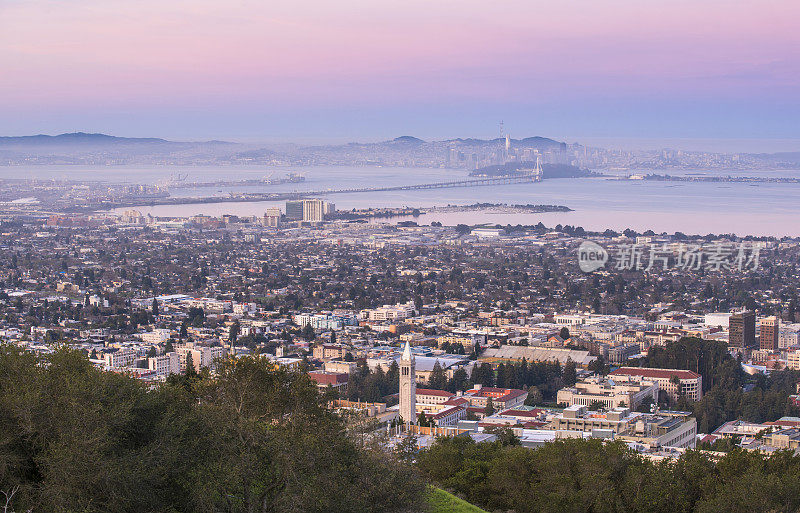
{"x":317,"y":70}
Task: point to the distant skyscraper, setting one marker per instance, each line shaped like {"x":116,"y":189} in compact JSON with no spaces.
{"x":408,"y":386}
{"x":742,"y":330}
{"x":308,"y":210}
{"x":294,"y":210}
{"x":272,"y":217}
{"x":768,"y":340}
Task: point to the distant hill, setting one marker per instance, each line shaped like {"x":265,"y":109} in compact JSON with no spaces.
{"x":103,"y":149}
{"x":408,"y":139}
{"x":75,"y":138}
{"x":85,"y":139}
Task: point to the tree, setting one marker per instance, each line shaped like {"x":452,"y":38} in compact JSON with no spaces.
{"x":534,"y":397}
{"x":489,"y":409}
{"x":190,"y":368}
{"x":168,"y":347}
{"x":570,"y":374}
{"x":252,"y":438}
{"x":504,"y":435}
{"x":154,"y":308}
{"x":308,"y":332}
{"x":459,"y":381}
{"x":597,"y":406}
{"x":422,"y":420}
{"x":564,"y":333}
{"x":406,"y":450}
{"x":438,"y":378}
{"x":462,"y":229}
{"x":599,"y":366}
{"x":233,"y":332}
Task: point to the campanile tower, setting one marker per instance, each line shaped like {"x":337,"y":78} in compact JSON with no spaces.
{"x":408,"y":386}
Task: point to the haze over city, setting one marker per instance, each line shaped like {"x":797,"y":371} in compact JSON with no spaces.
{"x":399,"y":257}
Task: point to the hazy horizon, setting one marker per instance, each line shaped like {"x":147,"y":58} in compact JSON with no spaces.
{"x":711,"y":145}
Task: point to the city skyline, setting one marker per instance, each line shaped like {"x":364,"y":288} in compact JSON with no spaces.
{"x":314,"y":72}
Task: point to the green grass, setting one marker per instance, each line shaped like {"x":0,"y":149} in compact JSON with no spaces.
{"x":443,"y":502}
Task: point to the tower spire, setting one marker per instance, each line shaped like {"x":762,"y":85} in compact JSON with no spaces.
{"x":407,"y":356}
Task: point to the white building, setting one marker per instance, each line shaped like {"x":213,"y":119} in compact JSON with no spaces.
{"x":674,"y":382}
{"x":389,"y":312}
{"x":155,"y":337}
{"x":793,"y":360}
{"x":717,"y":319}
{"x":272,"y":217}
{"x":611,"y":393}
{"x":569,"y":320}
{"x":202,"y":356}
{"x":165,"y":364}
{"x":324,"y":322}
{"x":123,"y":357}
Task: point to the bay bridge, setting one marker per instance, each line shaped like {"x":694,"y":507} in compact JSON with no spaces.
{"x":527,"y":176}
{"x":473,"y":182}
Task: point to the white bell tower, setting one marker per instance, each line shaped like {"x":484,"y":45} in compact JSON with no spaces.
{"x":408,"y":386}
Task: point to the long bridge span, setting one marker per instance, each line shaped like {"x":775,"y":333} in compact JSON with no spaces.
{"x":474,"y":182}
{"x":282,"y":196}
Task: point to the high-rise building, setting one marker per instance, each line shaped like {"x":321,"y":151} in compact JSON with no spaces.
{"x":742,"y":330}
{"x":408,"y":386}
{"x":768,"y":339}
{"x":313,"y":211}
{"x":294,"y":210}
{"x":272,"y":217}
{"x":309,"y":210}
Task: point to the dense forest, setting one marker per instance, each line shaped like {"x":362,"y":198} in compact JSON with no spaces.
{"x":252,"y":439}
{"x":577,"y":475}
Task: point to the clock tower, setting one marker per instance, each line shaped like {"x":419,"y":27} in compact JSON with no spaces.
{"x":408,"y":386}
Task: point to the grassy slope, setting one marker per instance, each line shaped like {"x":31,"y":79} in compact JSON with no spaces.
{"x":443,"y":502}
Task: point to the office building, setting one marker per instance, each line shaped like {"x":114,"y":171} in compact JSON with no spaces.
{"x":272,"y":217}
{"x":742,"y":330}
{"x":674,"y":382}
{"x":662,"y":429}
{"x":620,"y":391}
{"x":294,"y":210}
{"x":769,"y":333}
{"x":309,"y":210}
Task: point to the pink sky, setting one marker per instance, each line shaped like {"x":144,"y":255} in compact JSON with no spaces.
{"x":89,"y":58}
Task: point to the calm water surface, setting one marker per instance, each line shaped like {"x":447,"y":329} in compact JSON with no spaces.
{"x":598,"y":203}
